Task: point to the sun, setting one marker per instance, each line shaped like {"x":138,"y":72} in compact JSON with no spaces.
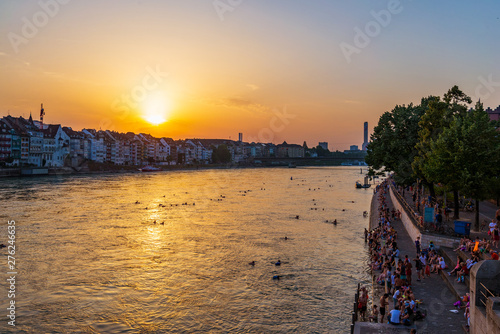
{"x":156,"y":119}
{"x":155,"y":108}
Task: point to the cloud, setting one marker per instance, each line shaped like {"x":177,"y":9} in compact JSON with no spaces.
{"x":253,"y":87}
{"x":240,"y":103}
{"x":2,"y":54}
{"x":352,"y":102}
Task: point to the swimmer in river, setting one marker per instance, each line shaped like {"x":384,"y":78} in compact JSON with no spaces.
{"x":286,"y":238}
{"x":252,"y":263}
{"x":278,"y":263}
{"x":335,"y":222}
{"x":297,"y":217}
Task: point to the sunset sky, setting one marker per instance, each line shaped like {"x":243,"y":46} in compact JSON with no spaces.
{"x":273,"y":70}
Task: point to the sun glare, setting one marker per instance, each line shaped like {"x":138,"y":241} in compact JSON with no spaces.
{"x":155,"y":109}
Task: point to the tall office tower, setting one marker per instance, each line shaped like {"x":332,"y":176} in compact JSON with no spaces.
{"x":365,"y":133}
{"x":240,"y":137}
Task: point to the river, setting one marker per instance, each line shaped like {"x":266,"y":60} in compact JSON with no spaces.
{"x":91,"y":260}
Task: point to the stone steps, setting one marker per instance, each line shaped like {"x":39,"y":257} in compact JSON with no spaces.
{"x":458,"y":289}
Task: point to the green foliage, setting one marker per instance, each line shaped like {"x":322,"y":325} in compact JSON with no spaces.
{"x":440,"y":141}
{"x":321,"y":151}
{"x":221,"y":154}
{"x":465,"y":156}
{"x":393,"y":141}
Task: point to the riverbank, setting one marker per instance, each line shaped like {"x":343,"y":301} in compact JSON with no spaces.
{"x":437,"y":299}
{"x":18,"y":172}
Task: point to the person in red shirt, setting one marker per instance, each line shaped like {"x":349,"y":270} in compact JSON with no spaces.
{"x":494,"y":255}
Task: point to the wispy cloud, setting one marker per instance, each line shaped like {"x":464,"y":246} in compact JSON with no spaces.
{"x":352,"y":102}
{"x":253,"y":87}
{"x":240,"y":103}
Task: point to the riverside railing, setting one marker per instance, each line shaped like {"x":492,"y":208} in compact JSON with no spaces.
{"x":415,"y":218}
{"x":484,"y":294}
{"x":354,"y":313}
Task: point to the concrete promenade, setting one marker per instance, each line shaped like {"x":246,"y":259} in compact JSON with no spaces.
{"x":437,"y":299}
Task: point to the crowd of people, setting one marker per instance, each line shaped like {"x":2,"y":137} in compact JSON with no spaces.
{"x":394,"y":270}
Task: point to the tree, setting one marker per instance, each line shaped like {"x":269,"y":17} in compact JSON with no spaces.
{"x":438,"y":117}
{"x":221,"y":154}
{"x":473,"y":144}
{"x":392,"y":144}
{"x":321,"y":151}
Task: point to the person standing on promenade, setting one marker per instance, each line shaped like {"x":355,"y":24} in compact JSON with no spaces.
{"x":395,"y":254}
{"x":383,"y":305}
{"x":492,"y":226}
{"x":419,"y":268}
{"x":397,"y":293}
{"x":496,"y":236}
{"x":417,"y":245}
{"x":362,"y":303}
{"x":408,"y":271}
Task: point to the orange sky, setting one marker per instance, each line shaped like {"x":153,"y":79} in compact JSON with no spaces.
{"x":272,"y":71}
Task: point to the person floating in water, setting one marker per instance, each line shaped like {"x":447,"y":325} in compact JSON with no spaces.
{"x":278,"y":263}
{"x":335,"y":222}
{"x":252,"y":263}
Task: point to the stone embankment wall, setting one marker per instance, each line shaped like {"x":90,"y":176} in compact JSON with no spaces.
{"x":414,"y":231}
{"x":484,"y":284}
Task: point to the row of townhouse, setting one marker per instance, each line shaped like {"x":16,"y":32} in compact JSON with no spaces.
{"x":24,"y":142}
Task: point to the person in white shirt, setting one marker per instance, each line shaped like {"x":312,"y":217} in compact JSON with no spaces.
{"x":397,"y":293}
{"x":492,"y":226}
{"x":442,"y":264}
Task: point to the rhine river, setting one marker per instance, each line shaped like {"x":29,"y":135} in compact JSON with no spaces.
{"x":91,"y":260}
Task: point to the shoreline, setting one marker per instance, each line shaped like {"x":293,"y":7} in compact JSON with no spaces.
{"x":69,"y":171}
